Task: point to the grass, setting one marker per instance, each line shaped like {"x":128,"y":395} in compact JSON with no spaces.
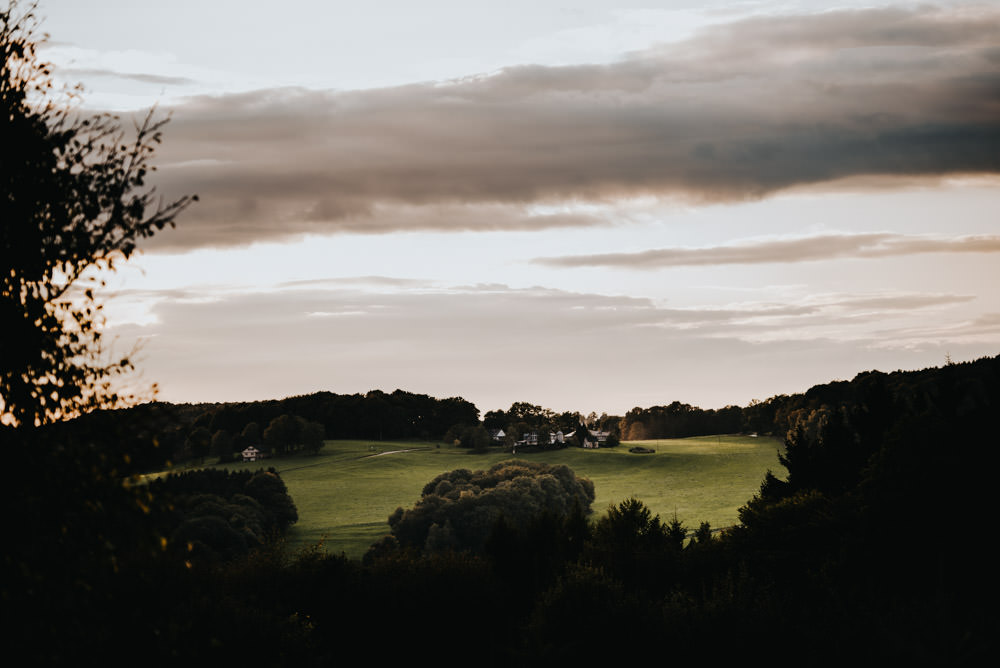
{"x":346,"y":493}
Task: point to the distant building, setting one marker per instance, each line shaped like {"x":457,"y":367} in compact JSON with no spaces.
{"x":251,"y":454}
{"x":592,"y":439}
{"x":534,"y":438}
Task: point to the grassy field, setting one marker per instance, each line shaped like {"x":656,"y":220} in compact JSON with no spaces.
{"x":345,"y":494}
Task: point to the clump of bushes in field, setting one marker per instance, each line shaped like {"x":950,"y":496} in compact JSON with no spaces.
{"x":459,"y":509}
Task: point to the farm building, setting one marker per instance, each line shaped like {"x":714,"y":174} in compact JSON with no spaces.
{"x":592,"y":439}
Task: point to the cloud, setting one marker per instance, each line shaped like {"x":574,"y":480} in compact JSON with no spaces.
{"x":383,"y":282}
{"x":496,"y":344}
{"x":263,"y":218}
{"x":158,"y":79}
{"x":739,"y":112}
{"x":803,"y":249}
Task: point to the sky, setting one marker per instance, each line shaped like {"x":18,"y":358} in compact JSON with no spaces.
{"x":589,"y":206}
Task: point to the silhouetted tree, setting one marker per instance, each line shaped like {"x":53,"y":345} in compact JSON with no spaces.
{"x":474,"y":437}
{"x":75,"y":203}
{"x":249,"y":437}
{"x":703,"y":534}
{"x":675,"y":532}
{"x":312,"y":434}
{"x":281,"y":434}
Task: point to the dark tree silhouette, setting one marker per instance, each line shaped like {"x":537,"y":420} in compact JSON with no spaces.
{"x":74,"y":203}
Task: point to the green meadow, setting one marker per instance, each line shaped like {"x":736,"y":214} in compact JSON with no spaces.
{"x":345,"y":494}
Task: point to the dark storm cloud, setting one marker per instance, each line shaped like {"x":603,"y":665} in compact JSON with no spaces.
{"x":820,"y":247}
{"x":739,"y":112}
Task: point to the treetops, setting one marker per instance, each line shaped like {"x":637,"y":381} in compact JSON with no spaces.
{"x":459,"y":509}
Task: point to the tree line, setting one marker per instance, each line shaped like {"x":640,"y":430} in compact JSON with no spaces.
{"x":177,"y":432}
{"x":302,"y":423}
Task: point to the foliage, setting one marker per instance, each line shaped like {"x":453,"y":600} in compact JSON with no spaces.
{"x":634,"y":546}
{"x":287,"y":434}
{"x":325,"y":415}
{"x":523,"y":418}
{"x":473,"y":437}
{"x":703,"y":534}
{"x":630,"y":526}
{"x":587,"y":616}
{"x":220,"y":515}
{"x":75,"y":203}
{"x":311,"y":435}
{"x":222,"y":444}
{"x":198,"y":442}
{"x":281,"y":435}
{"x":679,"y":420}
{"x":458,"y":510}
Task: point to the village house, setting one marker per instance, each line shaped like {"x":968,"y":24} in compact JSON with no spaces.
{"x":532,"y":438}
{"x":592,"y":439}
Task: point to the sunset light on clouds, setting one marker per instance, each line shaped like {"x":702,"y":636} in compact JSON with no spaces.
{"x":589,"y":209}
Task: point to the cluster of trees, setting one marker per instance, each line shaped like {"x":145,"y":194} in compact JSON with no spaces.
{"x":784,"y":414}
{"x":680,"y":420}
{"x":473,"y":436}
{"x":301,"y":423}
{"x":375,"y":415}
{"x":523,"y":418}
{"x":458,"y":510}
{"x":213,"y":516}
{"x":284,"y":435}
{"x":290,"y":425}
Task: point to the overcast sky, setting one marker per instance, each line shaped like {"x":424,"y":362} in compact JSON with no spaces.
{"x":588,"y":207}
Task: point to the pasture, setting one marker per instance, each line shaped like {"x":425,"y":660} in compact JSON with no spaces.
{"x":346,"y":493}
